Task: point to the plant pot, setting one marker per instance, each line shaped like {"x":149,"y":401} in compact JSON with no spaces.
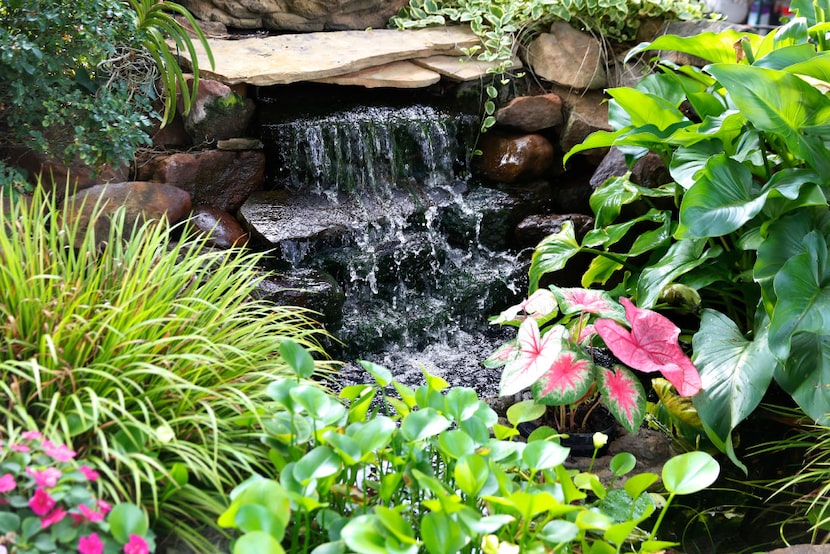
{"x":581,"y":443}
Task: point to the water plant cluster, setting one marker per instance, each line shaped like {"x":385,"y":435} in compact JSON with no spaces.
{"x":146,"y":391}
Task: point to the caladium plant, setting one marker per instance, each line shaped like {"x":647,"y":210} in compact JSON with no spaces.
{"x":551,"y":354}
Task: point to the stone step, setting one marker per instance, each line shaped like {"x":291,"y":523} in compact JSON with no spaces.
{"x":285,"y":59}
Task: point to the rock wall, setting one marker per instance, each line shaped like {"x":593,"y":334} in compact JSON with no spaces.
{"x":296,"y":15}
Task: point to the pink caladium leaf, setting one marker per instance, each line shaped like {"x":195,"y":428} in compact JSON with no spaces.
{"x":598,"y":302}
{"x":502,"y":355}
{"x":567,"y":380}
{"x":535,"y":355}
{"x":623,"y":395}
{"x":650,"y":346}
{"x":540,"y":305}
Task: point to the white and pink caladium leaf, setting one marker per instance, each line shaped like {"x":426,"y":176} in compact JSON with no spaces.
{"x":535,"y":355}
{"x":502,"y":355}
{"x":650,"y":346}
{"x":541,"y":305}
{"x":579,"y":300}
{"x":567,"y":380}
{"x":623,"y":395}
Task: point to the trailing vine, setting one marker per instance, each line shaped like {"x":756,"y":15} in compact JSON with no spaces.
{"x":503,"y":25}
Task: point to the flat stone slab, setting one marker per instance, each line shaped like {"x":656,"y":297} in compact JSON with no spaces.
{"x":460,"y":68}
{"x":284,"y":59}
{"x":391,"y":75}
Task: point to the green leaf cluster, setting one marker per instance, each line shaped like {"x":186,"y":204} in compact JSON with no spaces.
{"x":432,"y":470}
{"x":746,"y":237}
{"x":78,"y":78}
{"x":150,"y":355}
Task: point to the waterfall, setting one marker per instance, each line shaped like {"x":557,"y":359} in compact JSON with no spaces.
{"x":419,"y":278}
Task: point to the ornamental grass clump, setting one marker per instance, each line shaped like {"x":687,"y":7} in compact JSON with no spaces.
{"x":150,"y":356}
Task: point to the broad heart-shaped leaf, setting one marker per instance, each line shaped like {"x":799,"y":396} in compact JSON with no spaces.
{"x":687,"y":161}
{"x":734,"y":372}
{"x":784,"y":239}
{"x":802,"y":287}
{"x":690,"y":472}
{"x":817,"y":67}
{"x":780,"y":103}
{"x":623,"y":395}
{"x":806,"y":375}
{"x":552,"y":254}
{"x":681,"y":258}
{"x":712,"y":47}
{"x":722,"y":199}
{"x":650,"y":346}
{"x":642,"y":108}
{"x":536,"y":354}
{"x":578,"y":300}
{"x":607,"y":200}
{"x":297,"y":358}
{"x":566,"y":380}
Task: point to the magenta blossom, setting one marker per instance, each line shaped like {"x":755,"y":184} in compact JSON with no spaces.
{"x":136,"y":545}
{"x":32,"y":435}
{"x":650,"y":346}
{"x":45,"y":478}
{"x":89,"y":473}
{"x":91,"y":544}
{"x":58,"y":452}
{"x":7,"y":482}
{"x":54,"y":516}
{"x":90,"y":514}
{"x":41,"y":503}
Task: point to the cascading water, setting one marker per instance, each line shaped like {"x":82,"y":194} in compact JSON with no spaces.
{"x":411,"y":236}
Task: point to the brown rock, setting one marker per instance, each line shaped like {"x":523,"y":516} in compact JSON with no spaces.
{"x":217,"y":113}
{"x":213,"y":177}
{"x":531,"y":230}
{"x":511,"y":159}
{"x":142,"y":201}
{"x":172,"y":134}
{"x":531,"y":113}
{"x":568,"y":57}
{"x":223,"y":229}
{"x":296,"y":15}
{"x":58,"y":177}
{"x":649,"y":171}
{"x":585,"y":114}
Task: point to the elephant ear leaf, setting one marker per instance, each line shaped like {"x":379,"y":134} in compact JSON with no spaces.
{"x":780,"y":103}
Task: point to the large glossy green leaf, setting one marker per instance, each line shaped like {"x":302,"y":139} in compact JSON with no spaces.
{"x":787,"y":56}
{"x":712,"y":47}
{"x":441,"y":534}
{"x":722,"y":199}
{"x":734,"y":372}
{"x":690,"y":472}
{"x":640,"y":108}
{"x":806,"y":375}
{"x":817,"y":67}
{"x":780,"y":103}
{"x":258,"y":541}
{"x":318,"y":463}
{"x":784,"y":239}
{"x":802,"y":287}
{"x":687,"y":161}
{"x":682,"y":257}
{"x":552,"y":254}
{"x":422,"y":424}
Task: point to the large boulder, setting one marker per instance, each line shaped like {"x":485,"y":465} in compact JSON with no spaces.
{"x":296,"y":15}
{"x":514,"y":158}
{"x":568,"y":57}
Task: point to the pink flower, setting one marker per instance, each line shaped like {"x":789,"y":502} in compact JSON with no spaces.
{"x":90,"y":544}
{"x":55,"y":516}
{"x":104,"y":506}
{"x":45,"y":478}
{"x":31,"y":435}
{"x":41,"y":503}
{"x":20,"y":448}
{"x":650,"y":346}
{"x":136,"y":545}
{"x":89,"y":473}
{"x":7,"y":482}
{"x":90,"y":514}
{"x":58,"y":452}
